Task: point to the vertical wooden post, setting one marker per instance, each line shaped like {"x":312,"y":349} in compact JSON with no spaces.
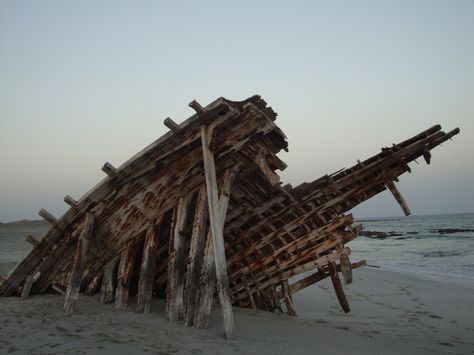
{"x":207,"y":286}
{"x":177,"y":263}
{"x":75,"y":278}
{"x":196,"y":254}
{"x":124,"y":274}
{"x":107,"y":289}
{"x":346,"y":269}
{"x":147,"y":271}
{"x":216,"y":225}
{"x":30,"y":280}
{"x":285,"y":287}
{"x":336,"y":282}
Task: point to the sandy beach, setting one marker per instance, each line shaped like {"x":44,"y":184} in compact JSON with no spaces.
{"x":392,"y":313}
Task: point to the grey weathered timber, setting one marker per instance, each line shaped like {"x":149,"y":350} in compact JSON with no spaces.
{"x":207,"y":286}
{"x":336,"y":282}
{"x":70,"y":201}
{"x":172,"y":125}
{"x":177,"y":262}
{"x":196,"y":255}
{"x":109,"y":169}
{"x":93,"y":286}
{"x":346,"y":269}
{"x":216,"y":225}
{"x":147,"y":270}
{"x":196,"y":106}
{"x":124,"y":273}
{"x":32,"y":240}
{"x":398,"y":196}
{"x":25,"y":292}
{"x":75,"y":278}
{"x":48,"y":217}
{"x":290,"y":307}
{"x":107,"y":289}
{"x":207,"y":280}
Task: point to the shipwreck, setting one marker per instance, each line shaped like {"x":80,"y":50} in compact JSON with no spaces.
{"x":200,"y":216}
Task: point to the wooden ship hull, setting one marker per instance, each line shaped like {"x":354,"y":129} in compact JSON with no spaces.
{"x":200,"y":215}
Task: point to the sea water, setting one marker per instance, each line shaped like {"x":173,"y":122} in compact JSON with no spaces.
{"x":420,"y":248}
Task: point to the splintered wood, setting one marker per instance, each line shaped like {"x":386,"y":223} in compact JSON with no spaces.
{"x":200,"y":215}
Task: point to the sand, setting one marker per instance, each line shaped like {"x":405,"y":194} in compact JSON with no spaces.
{"x":392,"y":313}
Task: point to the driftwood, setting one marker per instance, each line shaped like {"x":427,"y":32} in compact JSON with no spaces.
{"x":202,"y":210}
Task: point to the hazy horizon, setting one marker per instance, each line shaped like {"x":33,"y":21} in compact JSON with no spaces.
{"x":88,"y":82}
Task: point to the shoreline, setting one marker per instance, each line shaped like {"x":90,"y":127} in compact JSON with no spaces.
{"x":390,"y":313}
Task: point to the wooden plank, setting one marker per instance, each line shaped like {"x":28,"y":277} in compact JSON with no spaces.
{"x":336,"y":282}
{"x":316,"y":277}
{"x":398,"y":196}
{"x":290,"y":307}
{"x":70,"y":201}
{"x":147,"y":271}
{"x":75,"y":278}
{"x":25,"y":292}
{"x":346,"y":269}
{"x":177,"y":263}
{"x":269,"y":174}
{"x":94,"y":285}
{"x":172,"y":125}
{"x":107,"y":289}
{"x":196,"y":255}
{"x":32,"y":240}
{"x":196,"y":106}
{"x":124,"y":273}
{"x":109,"y":169}
{"x":216,"y":225}
{"x":48,"y":217}
{"x":207,"y":286}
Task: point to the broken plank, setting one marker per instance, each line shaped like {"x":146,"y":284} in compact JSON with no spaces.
{"x":75,"y":278}
{"x":147,"y":270}
{"x":216,"y":224}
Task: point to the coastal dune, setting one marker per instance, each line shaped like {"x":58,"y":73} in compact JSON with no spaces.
{"x":392,"y":313}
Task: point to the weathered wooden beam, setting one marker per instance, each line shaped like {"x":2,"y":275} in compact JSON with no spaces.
{"x":107,"y":289}
{"x":109,"y":169}
{"x":124,"y":273}
{"x":288,"y":299}
{"x":216,"y":225}
{"x":269,"y":174}
{"x":30,"y":280}
{"x":207,"y":286}
{"x":196,"y":255}
{"x":196,"y":106}
{"x":75,"y":278}
{"x":32,"y":240}
{"x":48,"y":217}
{"x":316,"y":277}
{"x":172,"y":125}
{"x":177,"y":262}
{"x":346,"y":269}
{"x":398,"y":196}
{"x":336,"y":282}
{"x":147,"y":271}
{"x":94,"y":285}
{"x":242,"y":289}
{"x":70,"y":201}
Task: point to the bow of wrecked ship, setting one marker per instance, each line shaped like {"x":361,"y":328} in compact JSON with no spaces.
{"x":201,"y":215}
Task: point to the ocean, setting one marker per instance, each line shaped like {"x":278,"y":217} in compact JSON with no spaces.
{"x":414,"y":246}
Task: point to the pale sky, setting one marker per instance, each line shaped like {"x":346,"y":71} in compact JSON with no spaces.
{"x":86,"y":82}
